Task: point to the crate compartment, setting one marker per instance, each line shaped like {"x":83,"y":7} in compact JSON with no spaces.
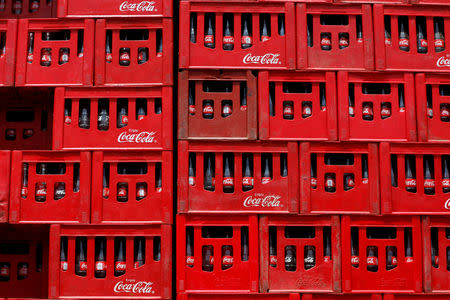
{"x":340,"y":37}
{"x":5,"y":172}
{"x":8,"y":39}
{"x":54,"y":182}
{"x":260,"y":37}
{"x":232,"y":95}
{"x":137,"y":184}
{"x":27,"y":9}
{"x":262,"y":177}
{"x":377,"y":107}
{"x":291,"y":103}
{"x":113,"y":118}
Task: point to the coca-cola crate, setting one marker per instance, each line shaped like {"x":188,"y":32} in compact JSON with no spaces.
{"x":411,"y":38}
{"x":384,"y":251}
{"x":433,"y":107}
{"x":339,"y":178}
{"x":297,"y":106}
{"x":50,"y":187}
{"x":217,"y":105}
{"x":217,"y":254}
{"x":215,"y":296}
{"x":113,"y":8}
{"x":53,"y":52}
{"x":26,"y":118}
{"x":436,"y":245}
{"x":334,"y":36}
{"x":428,"y":2}
{"x":376,"y":107}
{"x":342,"y":296}
{"x":257,"y":36}
{"x":238,"y":177}
{"x":8,"y":38}
{"x":87,"y":261}
{"x":375,"y":1}
{"x":132,"y":187}
{"x":113,"y":118}
{"x":5,"y":169}
{"x":134,"y":52}
{"x":423,"y":296}
{"x":419,"y":181}
{"x":300,"y":254}
{"x":24,"y":261}
{"x":27,"y":9}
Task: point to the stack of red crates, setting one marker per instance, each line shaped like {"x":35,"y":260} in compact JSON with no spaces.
{"x":313,"y":155}
{"x":86,"y":192}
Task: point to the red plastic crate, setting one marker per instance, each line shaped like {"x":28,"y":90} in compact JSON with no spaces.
{"x":278,"y":52}
{"x":406,"y":277}
{"x":158,"y":68}
{"x":395,"y":198}
{"x":437,"y":2}
{"x":79,"y":40}
{"x":73,"y":207}
{"x":429,"y":101}
{"x":241,"y":277}
{"x":279,"y":195}
{"x":113,"y":8}
{"x":25,"y":119}
{"x":390,"y":57}
{"x":225,"y":86}
{"x":153,"y":131}
{"x":415,"y":296}
{"x":156,"y":205}
{"x":24,"y":244}
{"x":375,"y":1}
{"x":341,"y":296}
{"x":367,"y":90}
{"x":436,"y":237}
{"x":364,"y":195}
{"x":45,"y":9}
{"x":358,"y":55}
{"x":274,"y":86}
{"x":8,"y":36}
{"x":152,"y":280}
{"x":323,"y":276}
{"x":5,"y":169}
{"x":185,"y":296}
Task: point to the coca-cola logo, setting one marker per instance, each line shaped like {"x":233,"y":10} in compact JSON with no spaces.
{"x":262,"y":200}
{"x":372,"y":261}
{"x":134,"y":287}
{"x":228,"y":181}
{"x":41,"y":192}
{"x":309,"y":259}
{"x":266,"y":59}
{"x":354,"y":260}
{"x":447,"y":204}
{"x":189,"y":260}
{"x":403,"y":42}
{"x":227,"y":260}
{"x":443,"y":62}
{"x":143,"y":6}
{"x":120,"y":266}
{"x":134,"y":136}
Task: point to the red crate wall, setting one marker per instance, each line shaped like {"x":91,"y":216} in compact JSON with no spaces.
{"x":405,"y":278}
{"x":376,"y":1}
{"x":415,"y":296}
{"x":357,"y":56}
{"x":278,"y":52}
{"x":156,"y":207}
{"x":77,"y":72}
{"x":324,"y":276}
{"x":438,"y":2}
{"x":72,"y":208}
{"x":242,"y":277}
{"x":5,"y":169}
{"x":241,"y":124}
{"x":323,"y":119}
{"x":8,"y":28}
{"x":149,"y":281}
{"x":215,"y":296}
{"x":154,"y":131}
{"x":45,"y":9}
{"x":280,"y":195}
{"x":342,"y":296}
{"x":157,"y":70}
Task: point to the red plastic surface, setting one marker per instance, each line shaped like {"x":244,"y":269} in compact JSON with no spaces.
{"x":152,"y":280}
{"x":215,"y":296}
{"x":405,"y":278}
{"x":431,"y":129}
{"x":114,"y":8}
{"x":376,"y":1}
{"x":436,"y":279}
{"x":363,"y":198}
{"x":154,"y":131}
{"x":278,"y":52}
{"x":396,"y":199}
{"x":25,"y":239}
{"x":46,"y":9}
{"x":280,"y":195}
{"x":357,"y":56}
{"x":415,"y":297}
{"x":77,"y":72}
{"x":399,"y":126}
{"x":325,"y":276}
{"x":72,"y":208}
{"x":321,"y":125}
{"x":156,"y":207}
{"x":8,"y":28}
{"x":391,"y":58}
{"x":241,"y":124}
{"x":438,"y":2}
{"x":242,"y":277}
{"x":341,"y":297}
{"x":5,"y":169}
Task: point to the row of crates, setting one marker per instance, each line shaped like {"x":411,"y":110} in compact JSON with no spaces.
{"x":328,"y":254}
{"x":318,"y":296}
{"x":72,"y":52}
